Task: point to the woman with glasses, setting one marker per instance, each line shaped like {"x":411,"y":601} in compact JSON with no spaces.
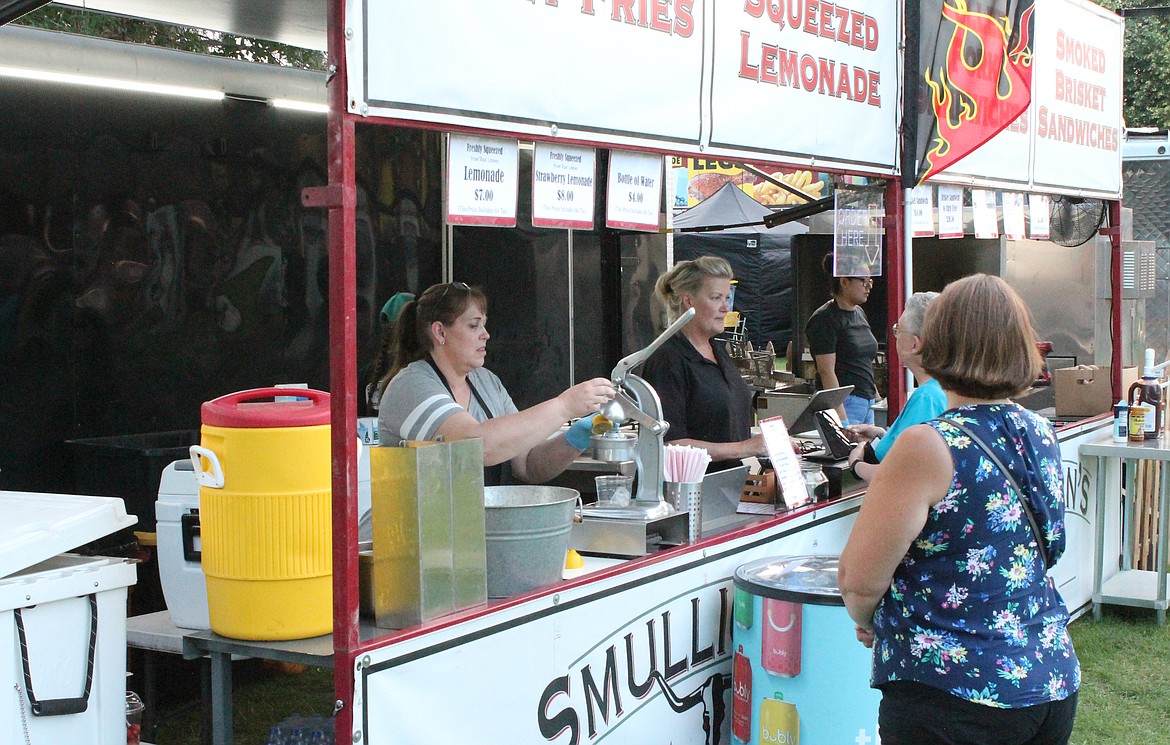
{"x":844,"y":348}
{"x":704,"y":397}
{"x":438,"y":387}
{"x":925,"y":403}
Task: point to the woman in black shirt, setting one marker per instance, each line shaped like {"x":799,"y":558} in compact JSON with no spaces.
{"x":704,"y":397}
{"x":844,"y":347}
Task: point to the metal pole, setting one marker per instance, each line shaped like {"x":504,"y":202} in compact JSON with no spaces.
{"x":896,"y":238}
{"x":1114,"y":233}
{"x":342,"y":375}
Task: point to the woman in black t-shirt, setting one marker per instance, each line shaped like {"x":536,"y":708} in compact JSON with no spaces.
{"x":704,"y":397}
{"x":844,"y":347}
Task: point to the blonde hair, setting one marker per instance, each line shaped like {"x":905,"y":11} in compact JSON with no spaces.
{"x":686,"y":278}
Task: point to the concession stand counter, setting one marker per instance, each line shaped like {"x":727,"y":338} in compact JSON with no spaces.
{"x":639,"y":650}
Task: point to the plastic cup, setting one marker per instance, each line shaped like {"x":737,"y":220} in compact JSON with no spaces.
{"x":134,"y":707}
{"x":614,"y":488}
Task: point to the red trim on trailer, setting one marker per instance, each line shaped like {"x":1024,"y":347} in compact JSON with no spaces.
{"x":1114,"y":233}
{"x":895,"y":288}
{"x":342,"y":375}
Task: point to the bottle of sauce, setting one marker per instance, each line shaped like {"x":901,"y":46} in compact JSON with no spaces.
{"x":1147,"y":393}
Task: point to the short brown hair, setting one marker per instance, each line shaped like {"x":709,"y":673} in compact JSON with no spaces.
{"x":979,"y":340}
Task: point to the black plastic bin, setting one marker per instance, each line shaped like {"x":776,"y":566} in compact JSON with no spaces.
{"x":128,"y":466}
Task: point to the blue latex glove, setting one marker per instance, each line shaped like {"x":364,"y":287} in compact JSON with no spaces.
{"x":579,"y":433}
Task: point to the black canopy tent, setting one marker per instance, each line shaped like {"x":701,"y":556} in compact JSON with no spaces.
{"x":729,"y":224}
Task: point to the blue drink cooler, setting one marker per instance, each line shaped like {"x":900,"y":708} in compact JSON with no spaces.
{"x":800,"y":675}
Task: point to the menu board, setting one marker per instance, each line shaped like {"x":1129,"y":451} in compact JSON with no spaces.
{"x":563,"y":185}
{"x":634,"y":191}
{"x":785,"y":462}
{"x":483,"y":176}
{"x":950,"y":212}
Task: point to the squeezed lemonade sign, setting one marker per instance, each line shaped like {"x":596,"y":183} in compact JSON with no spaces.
{"x":482,"y":178}
{"x":829,"y":70}
{"x":563,"y":185}
{"x":634,"y":191}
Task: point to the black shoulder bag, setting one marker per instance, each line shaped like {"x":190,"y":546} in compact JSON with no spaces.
{"x":1025,"y":503}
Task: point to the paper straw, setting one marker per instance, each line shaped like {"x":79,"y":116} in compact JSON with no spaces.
{"x":685,"y":463}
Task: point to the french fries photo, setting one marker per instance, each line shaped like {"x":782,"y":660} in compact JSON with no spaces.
{"x":768,"y":193}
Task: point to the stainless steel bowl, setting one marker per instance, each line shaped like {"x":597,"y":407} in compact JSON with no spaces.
{"x":614,"y":446}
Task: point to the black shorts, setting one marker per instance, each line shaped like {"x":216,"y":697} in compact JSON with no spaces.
{"x":916,"y":714}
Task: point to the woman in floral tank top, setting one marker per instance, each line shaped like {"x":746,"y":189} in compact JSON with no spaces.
{"x":943,"y":573}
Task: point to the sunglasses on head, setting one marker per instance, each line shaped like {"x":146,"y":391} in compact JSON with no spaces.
{"x":461,"y":286}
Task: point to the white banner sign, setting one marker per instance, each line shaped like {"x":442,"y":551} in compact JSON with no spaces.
{"x":750,"y":80}
{"x":983,"y":213}
{"x":792,"y":77}
{"x":634,"y":191}
{"x":563,"y":186}
{"x":950,"y":211}
{"x":483,"y":174}
{"x":604,"y":71}
{"x":922,"y":211}
{"x":1013,"y":215}
{"x":1069,"y":139}
{"x":1076,"y":91}
{"x":1038,"y":214}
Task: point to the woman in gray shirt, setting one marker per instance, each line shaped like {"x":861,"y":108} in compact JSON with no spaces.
{"x":438,"y":386}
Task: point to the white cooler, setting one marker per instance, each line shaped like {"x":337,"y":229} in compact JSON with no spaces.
{"x":180,"y":567}
{"x":177,"y":527}
{"x":73,"y":613}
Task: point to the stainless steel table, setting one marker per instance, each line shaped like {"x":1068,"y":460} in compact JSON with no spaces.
{"x":154,"y":633}
{"x":316,"y":651}
{"x":1129,"y":586}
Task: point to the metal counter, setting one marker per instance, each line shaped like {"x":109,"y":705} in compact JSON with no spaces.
{"x":1128,"y":585}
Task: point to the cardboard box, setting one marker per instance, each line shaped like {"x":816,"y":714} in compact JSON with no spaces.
{"x":1086,"y":390}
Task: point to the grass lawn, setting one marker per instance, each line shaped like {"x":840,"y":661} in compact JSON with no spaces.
{"x":1125,"y":691}
{"x":1125,"y":671}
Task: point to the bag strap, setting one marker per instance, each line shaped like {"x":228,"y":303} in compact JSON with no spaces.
{"x":1025,"y":502}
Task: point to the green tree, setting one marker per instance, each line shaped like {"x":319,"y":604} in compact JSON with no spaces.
{"x":1146,"y":102}
{"x":140,"y":31}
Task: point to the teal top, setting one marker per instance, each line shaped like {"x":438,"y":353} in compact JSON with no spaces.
{"x":925,"y":403}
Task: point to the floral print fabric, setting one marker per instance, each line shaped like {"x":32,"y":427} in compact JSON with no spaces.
{"x":970,"y":609}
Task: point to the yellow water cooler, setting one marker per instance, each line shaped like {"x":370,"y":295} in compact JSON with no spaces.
{"x":265,"y":506}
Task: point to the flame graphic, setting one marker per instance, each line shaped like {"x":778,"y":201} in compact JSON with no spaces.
{"x":983,"y":85}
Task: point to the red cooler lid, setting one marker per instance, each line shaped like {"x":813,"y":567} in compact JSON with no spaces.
{"x":255,"y":409}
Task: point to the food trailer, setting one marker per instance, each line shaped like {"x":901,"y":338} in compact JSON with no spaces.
{"x":639,"y":648}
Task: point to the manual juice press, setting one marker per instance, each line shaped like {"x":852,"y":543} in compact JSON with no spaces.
{"x":648,"y":523}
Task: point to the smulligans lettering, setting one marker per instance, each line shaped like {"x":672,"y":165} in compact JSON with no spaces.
{"x":605,"y":701}
{"x":494,"y":175}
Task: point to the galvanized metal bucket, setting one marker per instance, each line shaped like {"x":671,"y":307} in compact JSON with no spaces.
{"x":527,"y":530}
